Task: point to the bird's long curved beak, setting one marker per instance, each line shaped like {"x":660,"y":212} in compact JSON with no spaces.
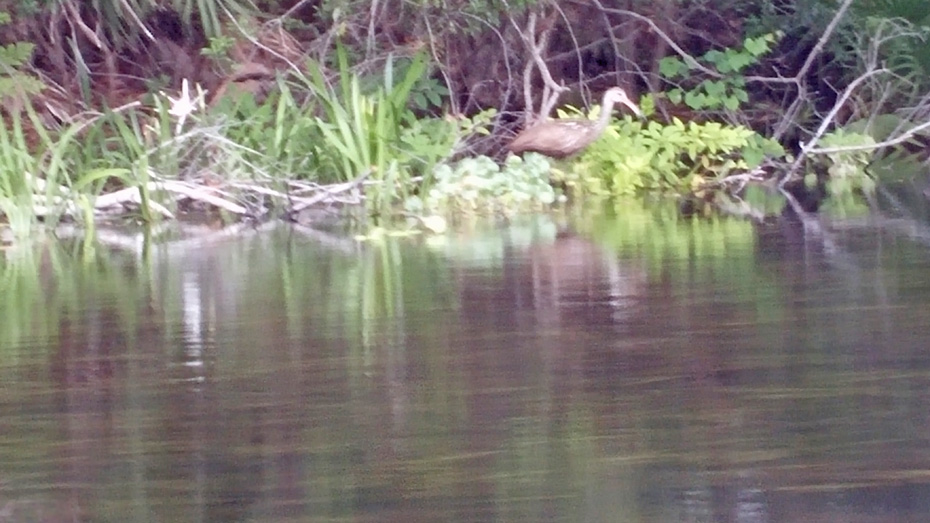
{"x":633,"y":107}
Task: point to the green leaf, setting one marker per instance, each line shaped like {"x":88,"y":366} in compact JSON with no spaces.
{"x":434,"y":98}
{"x":719,"y":59}
{"x":715,"y":57}
{"x":16,"y":54}
{"x":757,"y":46}
{"x":738,"y":60}
{"x":671,"y":66}
{"x":731,"y":103}
{"x":343,"y":61}
{"x":696,"y":100}
{"x":753,"y":157}
{"x":400,"y":94}
{"x":389,"y":73}
{"x":715,"y":89}
{"x":419,"y":99}
{"x":94,"y":175}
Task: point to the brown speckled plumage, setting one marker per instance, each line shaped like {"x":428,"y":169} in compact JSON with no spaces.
{"x":561,"y":138}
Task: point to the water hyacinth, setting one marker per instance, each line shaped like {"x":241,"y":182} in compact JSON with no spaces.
{"x":482,"y":186}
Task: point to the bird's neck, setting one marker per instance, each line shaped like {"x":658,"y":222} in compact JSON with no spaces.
{"x":607,"y":108}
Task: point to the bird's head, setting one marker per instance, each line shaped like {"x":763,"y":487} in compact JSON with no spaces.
{"x":618,"y":95}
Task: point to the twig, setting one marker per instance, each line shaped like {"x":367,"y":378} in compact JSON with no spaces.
{"x":536,"y":50}
{"x":291,"y":11}
{"x":135,"y":17}
{"x":798,"y":79}
{"x":254,"y":41}
{"x":826,"y":123}
{"x":505,"y":51}
{"x":827,"y":33}
{"x":887,"y":143}
{"x":204,"y":194}
{"x":330,"y":191}
{"x":689,"y":60}
{"x":453,"y":102}
{"x":84,"y":28}
{"x":131,"y":194}
{"x":610,"y":32}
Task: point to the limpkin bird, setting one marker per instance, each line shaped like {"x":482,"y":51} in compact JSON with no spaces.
{"x":561,"y":138}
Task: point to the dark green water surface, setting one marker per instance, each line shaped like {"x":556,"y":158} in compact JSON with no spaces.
{"x":646,"y":368}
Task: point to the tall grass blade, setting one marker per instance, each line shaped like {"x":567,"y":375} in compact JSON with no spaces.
{"x":381,"y":132}
{"x":344,"y":72}
{"x":389,"y":73}
{"x":358,"y":105}
{"x":400,"y":94}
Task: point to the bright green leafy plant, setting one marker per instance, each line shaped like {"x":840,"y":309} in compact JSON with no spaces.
{"x":361,"y":129}
{"x":632,"y":156}
{"x":728,"y":88}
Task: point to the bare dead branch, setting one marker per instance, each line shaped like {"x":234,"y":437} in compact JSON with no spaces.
{"x":537,"y":49}
{"x":798,"y":80}
{"x":254,"y":41}
{"x":576,"y":50}
{"x":911,"y":133}
{"x":506,"y":54}
{"x":291,"y":11}
{"x":330,"y":191}
{"x":690,"y":60}
{"x":78,"y":22}
{"x":824,"y":38}
{"x":827,"y":122}
{"x":135,"y":18}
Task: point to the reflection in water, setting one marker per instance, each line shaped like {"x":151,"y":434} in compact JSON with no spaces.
{"x":650,"y":370}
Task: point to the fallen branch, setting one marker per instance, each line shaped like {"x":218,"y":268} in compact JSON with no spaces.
{"x":329,"y":192}
{"x":131,"y":195}
{"x":887,"y":143}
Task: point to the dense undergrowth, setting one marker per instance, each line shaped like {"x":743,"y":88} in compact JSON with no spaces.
{"x":343,"y":124}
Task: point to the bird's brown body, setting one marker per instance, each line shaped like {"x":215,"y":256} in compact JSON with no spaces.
{"x":561,"y":138}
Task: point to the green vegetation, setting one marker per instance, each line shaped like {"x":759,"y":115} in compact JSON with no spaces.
{"x":727,"y":85}
{"x":846,"y":169}
{"x":361,"y":132}
{"x":480,"y":186}
{"x":409,"y":115}
{"x":633,"y":156}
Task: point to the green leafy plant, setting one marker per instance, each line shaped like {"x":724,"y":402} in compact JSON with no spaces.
{"x":479,"y":185}
{"x":15,"y":82}
{"x":728,"y":88}
{"x":846,"y":170}
{"x":907,"y":53}
{"x":374,"y":132}
{"x":17,"y":181}
{"x":219,"y":47}
{"x":428,"y":141}
{"x":276,"y":138}
{"x":58,"y":177}
{"x":361,"y":131}
{"x":632,"y":156}
{"x":428,"y":93}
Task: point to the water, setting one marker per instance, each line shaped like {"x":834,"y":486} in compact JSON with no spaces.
{"x":645,"y":368}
